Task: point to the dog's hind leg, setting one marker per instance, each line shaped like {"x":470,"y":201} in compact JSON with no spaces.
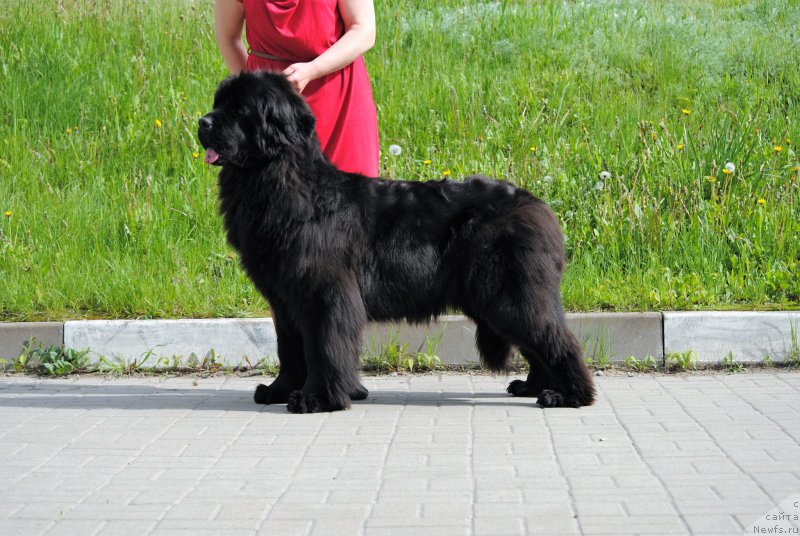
{"x":558,"y":375}
{"x":540,"y":377}
{"x":292,"y":373}
{"x":494,"y":350}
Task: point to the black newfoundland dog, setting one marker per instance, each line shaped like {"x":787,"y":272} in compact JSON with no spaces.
{"x":332,"y":250}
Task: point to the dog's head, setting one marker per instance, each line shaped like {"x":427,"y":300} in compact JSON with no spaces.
{"x":257,"y":116}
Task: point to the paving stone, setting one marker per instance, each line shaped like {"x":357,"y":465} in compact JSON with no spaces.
{"x":441,"y":453}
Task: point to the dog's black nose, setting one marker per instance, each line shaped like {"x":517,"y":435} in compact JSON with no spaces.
{"x":205,"y":122}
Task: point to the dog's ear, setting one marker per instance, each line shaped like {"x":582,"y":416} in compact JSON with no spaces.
{"x":300,"y":122}
{"x":283,"y":113}
{"x":285,"y":119}
{"x":305,"y":121}
{"x":275,"y":119}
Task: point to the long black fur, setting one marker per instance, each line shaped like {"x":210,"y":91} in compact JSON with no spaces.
{"x":332,"y":250}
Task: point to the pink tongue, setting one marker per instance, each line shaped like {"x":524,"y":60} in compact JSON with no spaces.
{"x":211,"y":156}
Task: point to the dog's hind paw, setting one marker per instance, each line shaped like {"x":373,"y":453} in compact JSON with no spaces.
{"x":553,"y":399}
{"x":361,"y":393}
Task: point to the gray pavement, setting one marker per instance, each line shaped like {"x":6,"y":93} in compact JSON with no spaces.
{"x":425,"y":454}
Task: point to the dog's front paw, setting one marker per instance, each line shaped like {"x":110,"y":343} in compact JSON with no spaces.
{"x":297,"y":403}
{"x":521,"y":388}
{"x":300,"y":402}
{"x":266,"y":394}
{"x":550,"y":399}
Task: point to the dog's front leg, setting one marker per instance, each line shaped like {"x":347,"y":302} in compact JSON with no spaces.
{"x":292,"y":373}
{"x":331,"y":344}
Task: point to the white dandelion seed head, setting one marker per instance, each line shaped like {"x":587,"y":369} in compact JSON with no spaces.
{"x":548,"y":178}
{"x":395,"y":150}
{"x":599,"y":185}
{"x":730,"y":167}
{"x":605,"y":175}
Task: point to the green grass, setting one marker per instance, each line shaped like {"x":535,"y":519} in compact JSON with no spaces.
{"x":113,"y":216}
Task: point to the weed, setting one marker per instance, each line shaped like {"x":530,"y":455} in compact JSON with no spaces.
{"x":686,"y":360}
{"x":429,"y":359}
{"x":267,"y":366}
{"x":59,"y":361}
{"x":793,"y":357}
{"x":115,"y":365}
{"x":192,"y":362}
{"x":211,"y":362}
{"x":768,"y":361}
{"x":395,"y":357}
{"x":21,"y":362}
{"x":390,"y":357}
{"x":731,"y":365}
{"x":599,"y":353}
{"x":646,"y":364}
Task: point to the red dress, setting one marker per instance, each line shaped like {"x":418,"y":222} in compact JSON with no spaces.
{"x":299,"y":31}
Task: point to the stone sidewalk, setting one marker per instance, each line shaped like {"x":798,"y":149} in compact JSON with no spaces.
{"x":425,"y":454}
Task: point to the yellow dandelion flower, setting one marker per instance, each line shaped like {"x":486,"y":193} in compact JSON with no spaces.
{"x":446,"y":173}
{"x":711,"y":179}
{"x":788,"y":141}
{"x":655,"y":136}
{"x":761,"y":201}
{"x":686,"y":112}
{"x":680,"y":147}
{"x":8,"y":213}
{"x":778,"y":148}
{"x":158,"y":123}
{"x":796,"y":168}
{"x":195,"y":154}
{"x":69,"y":131}
{"x":533,"y":149}
{"x":426,"y":162}
{"x":727,"y":171}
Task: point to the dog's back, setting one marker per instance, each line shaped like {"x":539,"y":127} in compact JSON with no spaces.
{"x":452,"y":235}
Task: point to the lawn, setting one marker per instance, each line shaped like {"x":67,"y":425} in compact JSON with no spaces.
{"x":620,"y":114}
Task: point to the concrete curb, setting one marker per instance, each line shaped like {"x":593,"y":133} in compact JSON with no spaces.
{"x":14,"y":336}
{"x":238,"y":340}
{"x":610,"y":337}
{"x":747,"y":336}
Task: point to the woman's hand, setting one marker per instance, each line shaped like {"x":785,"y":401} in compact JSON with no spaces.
{"x":300,"y":74}
{"x":359,"y":36}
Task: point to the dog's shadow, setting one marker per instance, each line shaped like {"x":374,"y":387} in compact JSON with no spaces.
{"x":137,"y":397}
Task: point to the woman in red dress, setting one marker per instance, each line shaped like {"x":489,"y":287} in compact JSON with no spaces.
{"x":318,"y":45}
